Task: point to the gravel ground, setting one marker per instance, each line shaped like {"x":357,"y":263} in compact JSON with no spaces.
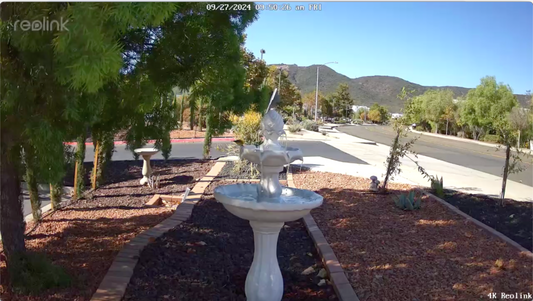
{"x":208,"y":258}
{"x":429,"y":254}
{"x":85,"y":236}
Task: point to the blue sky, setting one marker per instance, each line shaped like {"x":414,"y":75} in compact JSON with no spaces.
{"x":436,"y":44}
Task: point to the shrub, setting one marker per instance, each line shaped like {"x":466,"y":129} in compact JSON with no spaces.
{"x":491,"y":138}
{"x":32,"y":273}
{"x":294,"y":128}
{"x":310,"y":125}
{"x":248,"y":128}
{"x":408,"y":202}
{"x":437,"y":186}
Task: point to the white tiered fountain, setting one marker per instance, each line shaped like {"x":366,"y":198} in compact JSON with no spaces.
{"x":267,"y":206}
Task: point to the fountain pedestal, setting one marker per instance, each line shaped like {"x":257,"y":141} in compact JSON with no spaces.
{"x":264,"y":281}
{"x":146,"y":154}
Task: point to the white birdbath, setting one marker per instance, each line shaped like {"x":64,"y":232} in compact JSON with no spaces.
{"x":146,"y":153}
{"x":267,"y":206}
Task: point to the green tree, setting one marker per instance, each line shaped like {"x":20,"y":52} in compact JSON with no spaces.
{"x":486,"y":107}
{"x":290,"y":96}
{"x":55,"y":74}
{"x":378,"y":114}
{"x":342,"y":100}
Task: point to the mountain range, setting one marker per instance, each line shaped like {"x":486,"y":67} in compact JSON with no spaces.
{"x":365,"y":90}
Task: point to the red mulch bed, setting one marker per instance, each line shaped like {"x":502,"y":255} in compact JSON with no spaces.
{"x":428,"y":254}
{"x":85,"y":236}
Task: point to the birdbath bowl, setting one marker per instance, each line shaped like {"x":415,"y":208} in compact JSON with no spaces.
{"x":146,"y":153}
{"x":267,"y":206}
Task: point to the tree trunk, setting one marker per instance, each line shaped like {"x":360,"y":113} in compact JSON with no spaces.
{"x":181,"y":112}
{"x":447,"y":123}
{"x":31,"y":182}
{"x":11,"y":215}
{"x":208,"y":131}
{"x":192,"y":111}
{"x":56,"y":194}
{"x":392,"y":159}
{"x":95,"y":165}
{"x":200,"y":117}
{"x":79,"y":176}
{"x":505,"y":171}
{"x":518,"y":142}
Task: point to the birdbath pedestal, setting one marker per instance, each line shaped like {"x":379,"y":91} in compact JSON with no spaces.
{"x":146,"y":153}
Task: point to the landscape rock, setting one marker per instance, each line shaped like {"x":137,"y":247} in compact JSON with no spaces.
{"x":322,"y":273}
{"x":308,"y":271}
{"x":322,"y":282}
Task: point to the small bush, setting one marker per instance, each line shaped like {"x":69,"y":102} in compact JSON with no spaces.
{"x":491,"y":138}
{"x":244,"y":166}
{"x":437,"y":186}
{"x":32,"y":273}
{"x":248,"y":128}
{"x":294,"y":128}
{"x":310,"y":125}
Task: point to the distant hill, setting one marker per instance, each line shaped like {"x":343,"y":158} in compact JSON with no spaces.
{"x":367,"y":89}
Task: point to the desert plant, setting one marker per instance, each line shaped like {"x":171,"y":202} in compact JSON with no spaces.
{"x":408,"y":201}
{"x":294,"y":128}
{"x":153,"y":180}
{"x":32,"y":273}
{"x":310,"y":125}
{"x":437,"y":186}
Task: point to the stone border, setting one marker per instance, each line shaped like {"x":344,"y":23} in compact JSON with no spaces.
{"x":115,"y":282}
{"x":338,"y":278}
{"x":478,"y":223}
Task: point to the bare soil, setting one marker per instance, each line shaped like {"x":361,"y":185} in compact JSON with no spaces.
{"x":85,"y":236}
{"x":426,"y":254}
{"x":208,"y":257}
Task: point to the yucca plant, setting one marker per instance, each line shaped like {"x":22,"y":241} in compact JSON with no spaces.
{"x":408,"y":201}
{"x":437,"y":185}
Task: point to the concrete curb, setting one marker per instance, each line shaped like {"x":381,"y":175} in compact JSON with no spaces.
{"x":480,"y":224}
{"x":185,"y":140}
{"x":113,"y":286}
{"x":449,"y":137}
{"x":341,"y":284}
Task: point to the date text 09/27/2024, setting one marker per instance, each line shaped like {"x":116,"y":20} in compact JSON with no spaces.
{"x":262,"y":7}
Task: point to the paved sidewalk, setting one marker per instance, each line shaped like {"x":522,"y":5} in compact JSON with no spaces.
{"x":455,"y":177}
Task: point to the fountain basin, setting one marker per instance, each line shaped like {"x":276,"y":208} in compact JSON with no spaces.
{"x":242,"y":201}
{"x":271,"y":157}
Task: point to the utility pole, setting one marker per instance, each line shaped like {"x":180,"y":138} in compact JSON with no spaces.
{"x":316,"y":94}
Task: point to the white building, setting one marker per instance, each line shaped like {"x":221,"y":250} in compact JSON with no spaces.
{"x":356,"y":108}
{"x":396,"y":115}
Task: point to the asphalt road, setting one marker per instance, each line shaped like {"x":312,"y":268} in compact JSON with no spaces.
{"x":483,"y":158}
{"x":194,"y":151}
